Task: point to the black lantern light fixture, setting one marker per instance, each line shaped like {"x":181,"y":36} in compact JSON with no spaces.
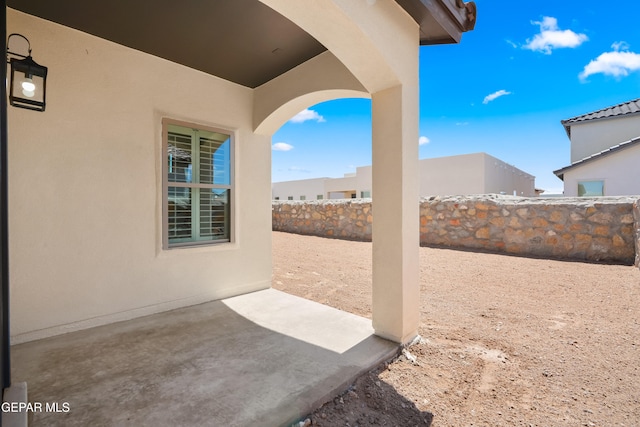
{"x":28,"y":83}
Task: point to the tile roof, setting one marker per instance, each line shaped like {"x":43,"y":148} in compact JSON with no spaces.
{"x":629,"y":107}
{"x":560,"y":172}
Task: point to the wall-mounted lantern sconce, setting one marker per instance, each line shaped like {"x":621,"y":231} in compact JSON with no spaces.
{"x":28,"y":87}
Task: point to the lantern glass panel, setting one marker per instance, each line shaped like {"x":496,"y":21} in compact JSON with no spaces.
{"x":28,"y":84}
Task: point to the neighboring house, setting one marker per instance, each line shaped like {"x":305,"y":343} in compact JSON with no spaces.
{"x":477,"y":173}
{"x":145,"y":185}
{"x":605,"y":152}
{"x":302,"y":189}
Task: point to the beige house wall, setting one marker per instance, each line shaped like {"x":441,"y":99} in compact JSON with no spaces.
{"x":503,"y":178}
{"x":462,"y":174}
{"x":85,"y":188}
{"x":594,"y":136}
{"x":341,"y":188}
{"x":320,"y":79}
{"x":378,"y":43}
{"x":86,"y":225}
{"x":477,"y":173}
{"x":308,"y":188}
{"x":619,"y":171}
{"x":359,"y":182}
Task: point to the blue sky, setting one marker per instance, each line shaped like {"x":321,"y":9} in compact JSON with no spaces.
{"x":502,"y":90}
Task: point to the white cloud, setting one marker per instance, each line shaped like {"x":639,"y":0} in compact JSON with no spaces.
{"x":552,"y":37}
{"x":495,"y":95}
{"x":620,"y":46}
{"x":305,"y":115}
{"x":512,"y":44}
{"x":617,"y":63}
{"x":281,"y":146}
{"x":423,"y":140}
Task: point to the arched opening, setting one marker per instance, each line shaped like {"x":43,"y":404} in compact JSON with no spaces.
{"x":327,"y":140}
{"x":316,"y":155}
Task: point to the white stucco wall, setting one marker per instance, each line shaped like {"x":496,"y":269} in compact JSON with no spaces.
{"x":320,"y":79}
{"x":358,"y":182}
{"x":619,"y":171}
{"x":85,"y":188}
{"x":451,"y":175}
{"x":597,"y":135}
{"x":309,"y":188}
{"x":501,"y":177}
{"x":476,"y":173}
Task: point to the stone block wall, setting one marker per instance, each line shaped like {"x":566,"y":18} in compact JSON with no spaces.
{"x":344,"y":219}
{"x":595,"y":229}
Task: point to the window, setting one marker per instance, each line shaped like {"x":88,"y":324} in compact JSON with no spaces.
{"x":319,"y":197}
{"x":277,"y":198}
{"x":289,"y":197}
{"x":198,"y":184}
{"x":303,"y":197}
{"x":590,"y":188}
{"x":365,"y":194}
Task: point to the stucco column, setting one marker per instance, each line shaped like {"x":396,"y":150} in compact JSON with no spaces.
{"x":395,"y":192}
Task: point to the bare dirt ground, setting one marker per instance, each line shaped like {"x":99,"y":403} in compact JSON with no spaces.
{"x":507,"y":341}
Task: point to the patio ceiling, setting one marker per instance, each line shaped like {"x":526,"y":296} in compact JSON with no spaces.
{"x":242,"y":41}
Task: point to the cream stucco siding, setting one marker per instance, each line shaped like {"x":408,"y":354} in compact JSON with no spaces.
{"x":503,"y":178}
{"x":593,"y":136}
{"x":320,"y":79}
{"x":85,"y":188}
{"x":86,"y":198}
{"x":450,"y":175}
{"x":309,"y":188}
{"x":477,"y":173}
{"x":619,"y":171}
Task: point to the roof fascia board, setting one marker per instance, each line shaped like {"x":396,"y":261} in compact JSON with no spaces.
{"x":452,"y":16}
{"x":567,"y":125}
{"x":612,"y":150}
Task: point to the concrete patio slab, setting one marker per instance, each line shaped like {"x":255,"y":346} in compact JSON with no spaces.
{"x":261,"y":359}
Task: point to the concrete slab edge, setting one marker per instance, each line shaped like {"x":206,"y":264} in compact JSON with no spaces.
{"x":342,"y":387}
{"x":15,"y":394}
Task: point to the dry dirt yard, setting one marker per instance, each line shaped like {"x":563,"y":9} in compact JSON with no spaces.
{"x":506,"y":341}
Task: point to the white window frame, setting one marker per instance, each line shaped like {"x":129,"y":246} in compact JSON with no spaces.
{"x":166,"y":122}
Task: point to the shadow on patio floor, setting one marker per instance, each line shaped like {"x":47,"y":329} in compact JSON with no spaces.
{"x":262,"y":359}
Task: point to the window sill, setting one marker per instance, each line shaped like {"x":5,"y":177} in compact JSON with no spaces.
{"x":197,"y":249}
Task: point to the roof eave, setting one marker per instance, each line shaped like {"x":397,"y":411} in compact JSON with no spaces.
{"x":632,"y":106}
{"x":441,"y":21}
{"x":567,"y":128}
{"x":614,"y":149}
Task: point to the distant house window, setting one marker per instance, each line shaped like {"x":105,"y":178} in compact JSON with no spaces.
{"x":289,"y":197}
{"x":353,"y":195}
{"x":319,"y":197}
{"x":198,"y":184}
{"x":277,"y":198}
{"x":303,"y":197}
{"x":365,"y":194}
{"x":590,"y":188}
